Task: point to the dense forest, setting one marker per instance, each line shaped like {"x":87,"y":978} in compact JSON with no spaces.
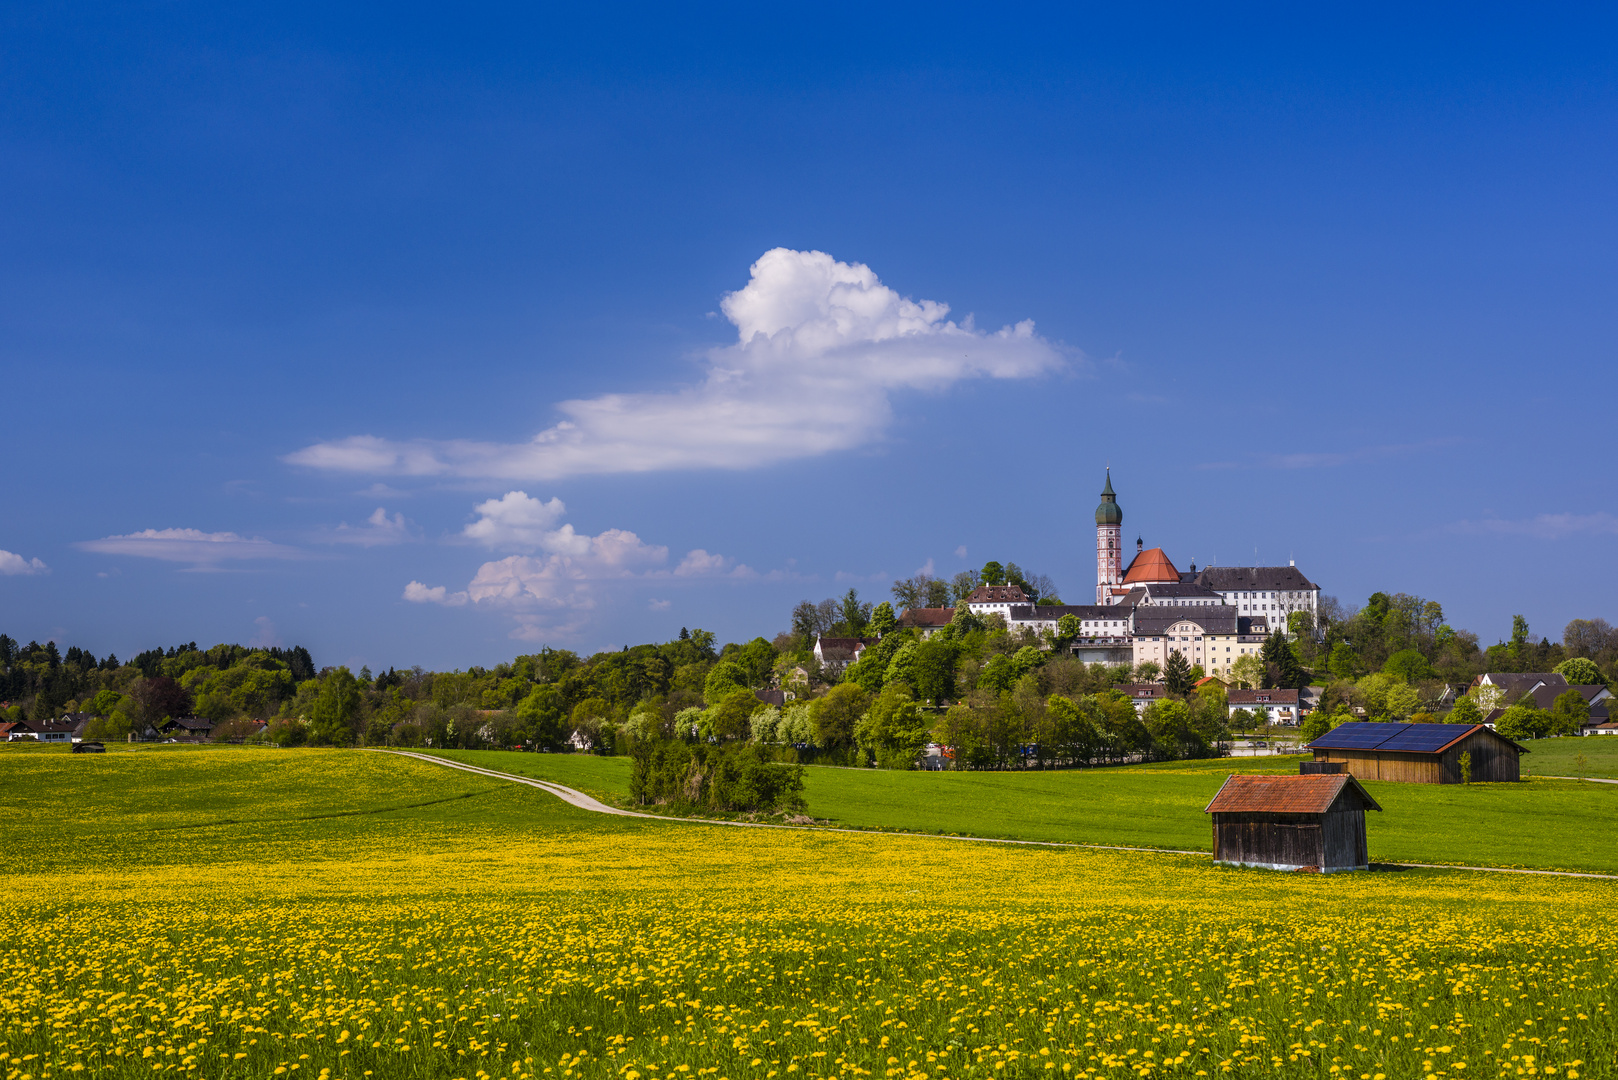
{"x":993,"y":697}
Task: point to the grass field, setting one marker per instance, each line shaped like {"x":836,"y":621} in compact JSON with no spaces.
{"x":1544,"y":824}
{"x":1560,"y":757}
{"x":240,"y":912}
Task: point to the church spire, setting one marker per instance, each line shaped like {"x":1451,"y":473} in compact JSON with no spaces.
{"x":1109,"y":513}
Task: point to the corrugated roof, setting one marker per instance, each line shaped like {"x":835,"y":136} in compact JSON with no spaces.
{"x":1285,"y":794}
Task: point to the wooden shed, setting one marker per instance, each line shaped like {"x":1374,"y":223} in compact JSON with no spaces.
{"x":1291,"y":822}
{"x":1420,"y":753}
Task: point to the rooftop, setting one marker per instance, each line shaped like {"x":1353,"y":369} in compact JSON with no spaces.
{"x":1280,"y":578}
{"x":1286,"y":794}
{"x":1151,"y":565}
{"x":997,"y":594}
{"x":1406,"y":738}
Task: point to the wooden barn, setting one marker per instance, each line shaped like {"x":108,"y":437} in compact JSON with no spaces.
{"x":1291,"y":822}
{"x":1420,"y":753}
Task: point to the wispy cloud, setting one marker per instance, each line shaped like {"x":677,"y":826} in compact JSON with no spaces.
{"x":379,"y":530}
{"x":1331,"y":459}
{"x":821,"y":344}
{"x":13,"y":565}
{"x":191,"y":546}
{"x":1542,"y":526}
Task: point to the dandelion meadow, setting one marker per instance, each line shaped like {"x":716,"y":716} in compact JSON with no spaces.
{"x":256,"y":913}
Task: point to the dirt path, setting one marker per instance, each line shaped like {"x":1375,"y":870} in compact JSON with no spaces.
{"x":585,"y":802}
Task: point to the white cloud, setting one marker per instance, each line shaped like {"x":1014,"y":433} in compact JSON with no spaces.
{"x":659,"y":605}
{"x":190,"y":546}
{"x":516,"y":520}
{"x":960,"y":552}
{"x":12,"y":565}
{"x":266,"y":636}
{"x":820,"y":346}
{"x":417,"y":593}
{"x":556,"y":581}
{"x":699,"y":563}
{"x":1544,"y":526}
{"x":378,"y":530}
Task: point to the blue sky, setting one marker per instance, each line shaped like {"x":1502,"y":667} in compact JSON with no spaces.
{"x":287,"y":297}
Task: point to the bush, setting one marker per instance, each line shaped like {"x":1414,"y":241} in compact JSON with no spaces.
{"x":725,"y":779}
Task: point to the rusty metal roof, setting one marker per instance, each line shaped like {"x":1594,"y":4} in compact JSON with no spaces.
{"x":1285,"y":794}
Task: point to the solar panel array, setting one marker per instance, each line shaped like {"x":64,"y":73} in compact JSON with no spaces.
{"x":1424,"y":737}
{"x":1357,"y":736}
{"x":1421,"y":738}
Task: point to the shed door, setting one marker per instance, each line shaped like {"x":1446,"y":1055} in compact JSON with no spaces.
{"x":1293,"y":845}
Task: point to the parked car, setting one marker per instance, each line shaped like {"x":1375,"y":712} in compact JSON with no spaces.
{"x":89,"y":748}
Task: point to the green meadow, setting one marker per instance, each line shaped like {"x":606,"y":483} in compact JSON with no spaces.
{"x":242,"y":913}
{"x":1539,"y":824}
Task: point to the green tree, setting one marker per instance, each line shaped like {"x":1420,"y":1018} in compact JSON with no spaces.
{"x":1177,"y":673}
{"x":854,"y":615}
{"x":336,"y":710}
{"x":1569,"y":713}
{"x":1519,"y":634}
{"x":725,"y":679}
{"x":1282,"y":663}
{"x":835,"y":715}
{"x":1409,"y":665}
{"x":1248,"y":672}
{"x":882,"y":620}
{"x":1578,"y":671}
{"x":1402,"y":700}
{"x":993,"y":574}
{"x":1315,"y":725}
{"x":1524,"y":721}
{"x":1344,"y":662}
{"x":1068,"y":629}
{"x":1465,"y":712}
{"x":731,"y":717}
{"x":933,"y":670}
{"x":756,"y":660}
{"x":893,"y":729}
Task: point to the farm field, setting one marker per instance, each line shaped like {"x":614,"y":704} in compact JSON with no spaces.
{"x":1560,"y":757}
{"x":296,"y":914}
{"x":1543,"y":824}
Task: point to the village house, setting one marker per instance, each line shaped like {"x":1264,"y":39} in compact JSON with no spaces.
{"x":1271,"y":706}
{"x":926,"y":621}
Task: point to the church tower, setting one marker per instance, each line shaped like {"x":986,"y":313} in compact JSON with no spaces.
{"x":1109,"y":544}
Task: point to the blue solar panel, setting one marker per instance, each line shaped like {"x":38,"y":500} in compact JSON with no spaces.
{"x":1424,"y":738}
{"x":1359,"y":736}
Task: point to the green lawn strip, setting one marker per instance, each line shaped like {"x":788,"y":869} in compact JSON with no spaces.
{"x":1560,"y":757}
{"x":603,"y":778}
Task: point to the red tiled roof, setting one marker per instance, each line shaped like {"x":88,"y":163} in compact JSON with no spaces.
{"x":1151,"y":565}
{"x":1284,"y":794}
{"x":927,"y":616}
{"x":997,"y":594}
